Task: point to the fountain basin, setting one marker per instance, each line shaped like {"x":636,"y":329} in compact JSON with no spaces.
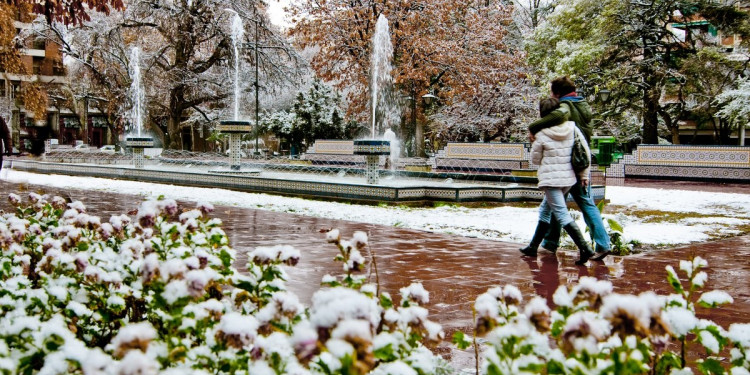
{"x":372,"y":147}
{"x":139,"y":142}
{"x":235,"y":126}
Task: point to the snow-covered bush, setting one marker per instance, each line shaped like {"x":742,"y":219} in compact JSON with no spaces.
{"x":596,"y":331}
{"x":158,"y":293}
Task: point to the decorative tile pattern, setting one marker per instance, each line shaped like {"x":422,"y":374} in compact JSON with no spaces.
{"x":708,"y":156}
{"x":372,"y":171}
{"x":685,"y":162}
{"x":231,"y":126}
{"x":322,"y":146}
{"x":235,"y":152}
{"x":491,"y":151}
{"x":138,"y":160}
{"x":372,"y":147}
{"x":687,"y":172}
{"x":139,"y":142}
{"x":475,"y":164}
{"x":305,"y":188}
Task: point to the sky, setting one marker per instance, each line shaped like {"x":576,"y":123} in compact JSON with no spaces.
{"x":276,"y":12}
{"x":648,"y":215}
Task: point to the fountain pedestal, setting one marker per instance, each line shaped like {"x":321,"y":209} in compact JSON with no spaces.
{"x":372,"y":149}
{"x":235,"y":129}
{"x":138,"y":144}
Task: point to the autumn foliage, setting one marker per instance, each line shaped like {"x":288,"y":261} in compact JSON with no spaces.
{"x":451,"y":48}
{"x":68,"y":12}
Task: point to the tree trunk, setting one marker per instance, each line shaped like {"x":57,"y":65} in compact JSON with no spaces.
{"x":650,"y":116}
{"x":419,"y":140}
{"x":173,"y":139}
{"x":675,"y":134}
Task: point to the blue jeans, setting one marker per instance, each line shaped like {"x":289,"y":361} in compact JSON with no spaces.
{"x":591,"y":216}
{"x":554,"y":206}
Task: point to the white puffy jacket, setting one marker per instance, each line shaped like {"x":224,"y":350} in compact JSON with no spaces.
{"x":551,"y":152}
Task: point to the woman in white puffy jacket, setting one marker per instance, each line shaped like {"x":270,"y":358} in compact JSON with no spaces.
{"x":551,"y":151}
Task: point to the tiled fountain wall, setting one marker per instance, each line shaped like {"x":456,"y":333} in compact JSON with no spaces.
{"x":334,"y":191}
{"x":685,"y":162}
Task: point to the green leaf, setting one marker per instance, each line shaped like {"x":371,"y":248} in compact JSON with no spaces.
{"x":614,"y":225}
{"x":493,"y":370}
{"x":667,"y":362}
{"x":385,"y":353}
{"x":385,"y":301}
{"x":460,"y":340}
{"x":674,"y":280}
{"x":710,"y":366}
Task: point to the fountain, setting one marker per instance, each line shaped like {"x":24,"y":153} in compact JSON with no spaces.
{"x":137,"y":142}
{"x":381,"y":80}
{"x":336,"y":174}
{"x":236,"y":128}
{"x":390,"y":136}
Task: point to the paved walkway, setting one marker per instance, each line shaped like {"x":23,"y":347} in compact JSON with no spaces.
{"x":455,"y":270}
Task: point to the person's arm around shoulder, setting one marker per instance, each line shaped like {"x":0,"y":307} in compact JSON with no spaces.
{"x":555,"y":117}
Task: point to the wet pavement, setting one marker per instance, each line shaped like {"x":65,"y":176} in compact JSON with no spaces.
{"x":454,"y":269}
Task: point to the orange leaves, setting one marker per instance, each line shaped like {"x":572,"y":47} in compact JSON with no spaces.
{"x":448,"y":46}
{"x":34,"y":98}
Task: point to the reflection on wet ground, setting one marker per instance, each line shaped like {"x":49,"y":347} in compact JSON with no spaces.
{"x":454,"y":269}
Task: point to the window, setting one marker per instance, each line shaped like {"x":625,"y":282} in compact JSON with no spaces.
{"x":37,"y":66}
{"x":71,"y":122}
{"x":98,"y":122}
{"x":2,"y":88}
{"x":38,"y":43}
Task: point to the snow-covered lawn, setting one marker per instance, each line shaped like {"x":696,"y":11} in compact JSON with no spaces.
{"x":649,"y":216}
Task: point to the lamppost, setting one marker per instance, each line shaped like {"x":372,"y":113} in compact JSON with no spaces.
{"x":256,"y":46}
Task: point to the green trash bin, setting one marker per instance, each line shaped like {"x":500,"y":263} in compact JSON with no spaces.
{"x":605,"y":153}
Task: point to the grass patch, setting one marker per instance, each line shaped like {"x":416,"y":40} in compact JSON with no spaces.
{"x":658,"y":216}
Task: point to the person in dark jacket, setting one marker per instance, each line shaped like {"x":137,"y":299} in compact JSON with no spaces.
{"x":6,"y":144}
{"x":577,"y":109}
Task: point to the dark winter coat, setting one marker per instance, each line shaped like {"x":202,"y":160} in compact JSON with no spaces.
{"x":6,"y":144}
{"x":573,"y":108}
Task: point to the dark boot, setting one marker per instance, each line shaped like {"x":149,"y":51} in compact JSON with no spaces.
{"x":583,"y":246}
{"x":541,"y":230}
{"x":600,"y":254}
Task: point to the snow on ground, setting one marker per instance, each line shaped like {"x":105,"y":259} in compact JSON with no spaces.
{"x":711,"y":213}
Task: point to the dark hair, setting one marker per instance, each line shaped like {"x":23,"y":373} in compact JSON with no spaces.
{"x":547,"y":105}
{"x":562,"y":86}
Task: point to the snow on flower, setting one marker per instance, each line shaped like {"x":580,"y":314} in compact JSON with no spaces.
{"x":681,"y":320}
{"x":283,"y":253}
{"x":715,"y":298}
{"x":329,"y":306}
{"x":205,"y":207}
{"x":512,"y":295}
{"x":415,"y":292}
{"x":137,"y":363}
{"x":175,"y":290}
{"x":133,"y":336}
{"x":333,"y":235}
{"x":359,"y":239}
{"x":353,"y":330}
{"x":739,"y":333}
{"x":628,"y":314}
{"x":237,"y":330}
{"x":395,"y":368}
{"x":709,"y":341}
